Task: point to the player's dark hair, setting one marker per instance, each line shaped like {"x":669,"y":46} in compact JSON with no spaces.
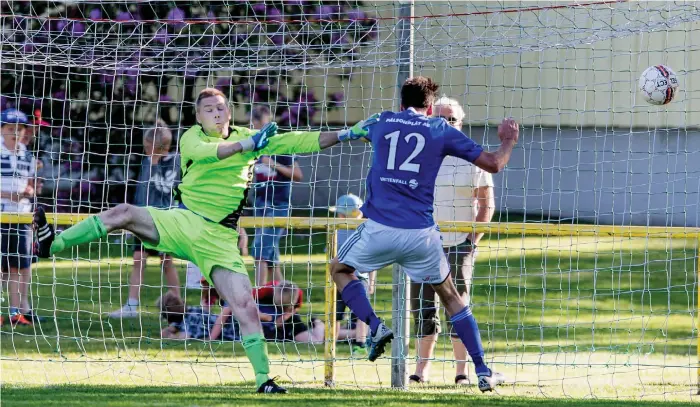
{"x":418,"y":92}
{"x":207,"y":93}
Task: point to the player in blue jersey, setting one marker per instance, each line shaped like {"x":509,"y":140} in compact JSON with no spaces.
{"x":409,"y":147}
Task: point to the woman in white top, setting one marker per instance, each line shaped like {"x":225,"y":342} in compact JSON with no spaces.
{"x":463,"y":192}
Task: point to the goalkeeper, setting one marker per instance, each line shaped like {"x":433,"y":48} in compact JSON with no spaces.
{"x":216,"y":160}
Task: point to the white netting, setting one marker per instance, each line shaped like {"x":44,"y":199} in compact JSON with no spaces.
{"x":226,"y":37}
{"x":606,"y":316}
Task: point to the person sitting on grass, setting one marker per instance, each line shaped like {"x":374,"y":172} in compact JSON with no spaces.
{"x":228,"y":329}
{"x":278,"y":305}
{"x":348,"y":206}
{"x":184,"y":322}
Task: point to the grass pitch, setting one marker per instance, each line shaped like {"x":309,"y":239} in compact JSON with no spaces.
{"x":569,"y":320}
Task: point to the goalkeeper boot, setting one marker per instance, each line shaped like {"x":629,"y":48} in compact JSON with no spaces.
{"x":378,"y":341}
{"x":490,"y":380}
{"x":271,"y":387}
{"x":45,"y":233}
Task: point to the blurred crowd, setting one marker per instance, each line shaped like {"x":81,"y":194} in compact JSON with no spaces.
{"x":88,"y":117}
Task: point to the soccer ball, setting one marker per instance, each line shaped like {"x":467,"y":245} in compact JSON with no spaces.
{"x":658,"y":84}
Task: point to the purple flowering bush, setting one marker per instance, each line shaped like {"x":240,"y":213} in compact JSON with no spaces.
{"x":106,"y":56}
{"x":119,"y":50}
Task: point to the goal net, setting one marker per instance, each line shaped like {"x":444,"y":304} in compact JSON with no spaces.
{"x":584,"y":285}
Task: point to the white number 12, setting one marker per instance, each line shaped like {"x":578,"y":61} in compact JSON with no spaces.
{"x":407,"y":165}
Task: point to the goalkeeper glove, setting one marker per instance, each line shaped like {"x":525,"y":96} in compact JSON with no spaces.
{"x":359,"y":130}
{"x":260,"y":139}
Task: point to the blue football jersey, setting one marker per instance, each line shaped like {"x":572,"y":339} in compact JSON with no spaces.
{"x":408,"y":150}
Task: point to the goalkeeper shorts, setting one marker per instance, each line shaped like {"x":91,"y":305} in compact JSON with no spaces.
{"x":374,"y":246}
{"x":188,"y":236}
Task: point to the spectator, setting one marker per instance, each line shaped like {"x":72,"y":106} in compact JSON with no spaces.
{"x":17,"y":170}
{"x":33,"y":134}
{"x":227,"y":327}
{"x":33,"y":139}
{"x":272,"y":190}
{"x":49,"y":154}
{"x":158,"y":176}
{"x":278,"y":306}
{"x":463,"y":192}
{"x":348,"y":206}
{"x":76,"y":183}
{"x":184,"y":322}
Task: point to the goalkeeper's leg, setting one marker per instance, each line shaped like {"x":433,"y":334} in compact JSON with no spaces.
{"x":135,"y":219}
{"x":236,"y":289}
{"x":467,"y":329}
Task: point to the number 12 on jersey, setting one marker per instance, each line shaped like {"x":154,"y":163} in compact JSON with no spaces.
{"x":407,"y":165}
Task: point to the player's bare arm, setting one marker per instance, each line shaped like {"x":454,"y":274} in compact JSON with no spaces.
{"x":493,"y":162}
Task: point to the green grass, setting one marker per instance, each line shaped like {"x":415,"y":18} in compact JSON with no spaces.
{"x":240,"y":395}
{"x":562,"y":317}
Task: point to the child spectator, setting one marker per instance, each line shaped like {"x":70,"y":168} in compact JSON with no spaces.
{"x":278,"y":305}
{"x":160,"y":173}
{"x":77,"y":181}
{"x":348,"y":206}
{"x":227,"y":327}
{"x":184,"y":322}
{"x":17,"y":172}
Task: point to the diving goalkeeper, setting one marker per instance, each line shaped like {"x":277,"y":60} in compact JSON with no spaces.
{"x":216,"y":159}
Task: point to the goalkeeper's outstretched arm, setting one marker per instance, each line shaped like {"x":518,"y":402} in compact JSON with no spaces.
{"x":298,"y":142}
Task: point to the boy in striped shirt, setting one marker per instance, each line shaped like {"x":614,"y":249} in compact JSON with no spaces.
{"x":17,"y":170}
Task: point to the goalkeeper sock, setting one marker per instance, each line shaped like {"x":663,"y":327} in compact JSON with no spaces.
{"x":85,"y":231}
{"x":467,"y":329}
{"x":355,"y":296}
{"x":256,"y":350}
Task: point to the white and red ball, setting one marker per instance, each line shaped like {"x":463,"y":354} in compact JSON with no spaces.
{"x":658,"y":84}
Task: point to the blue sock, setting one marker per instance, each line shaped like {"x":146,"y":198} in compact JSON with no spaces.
{"x":467,"y":329}
{"x":14,"y":310}
{"x":355,"y":297}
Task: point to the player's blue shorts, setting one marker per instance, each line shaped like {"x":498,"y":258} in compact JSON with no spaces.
{"x":266,"y":245}
{"x":15,"y":246}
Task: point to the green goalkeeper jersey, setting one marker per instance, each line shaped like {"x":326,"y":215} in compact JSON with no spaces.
{"x":216,"y":189}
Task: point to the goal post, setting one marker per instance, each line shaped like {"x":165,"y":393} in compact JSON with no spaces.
{"x":400,"y":290}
